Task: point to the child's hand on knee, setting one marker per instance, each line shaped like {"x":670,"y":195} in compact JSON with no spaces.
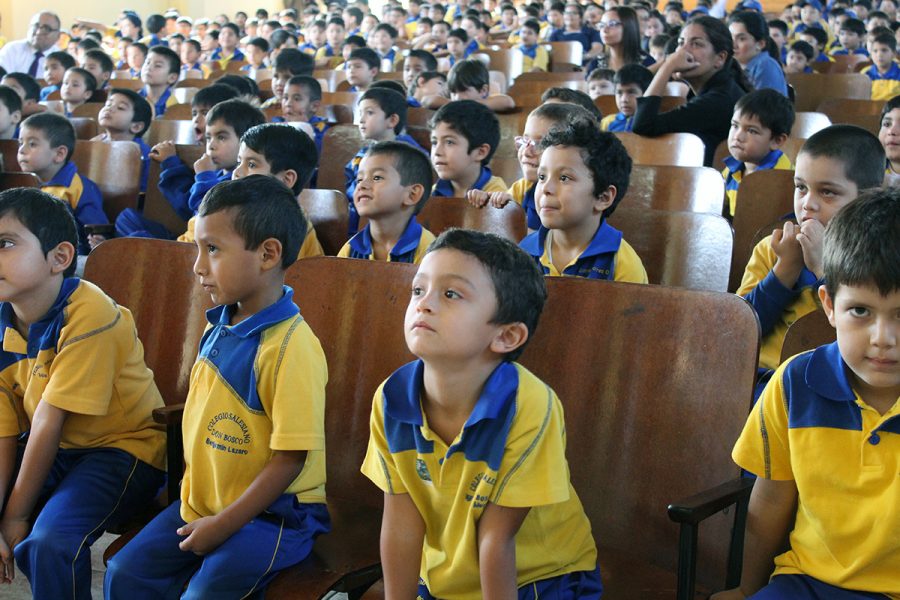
{"x":203,"y":536}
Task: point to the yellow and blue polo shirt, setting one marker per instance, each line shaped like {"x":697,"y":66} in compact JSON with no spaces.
{"x":534,"y":57}
{"x":410,"y":248}
{"x":522,"y":192}
{"x":608,"y":256}
{"x":511,"y":452}
{"x":257,"y":387}
{"x":812,"y":428}
{"x":616,"y":122}
{"x":162,"y":103}
{"x":884,"y":85}
{"x":776,"y":306}
{"x":486,"y":181}
{"x":394,"y":56}
{"x":224,"y":60}
{"x":734,"y":173}
{"x":83,"y":197}
{"x":83,"y":357}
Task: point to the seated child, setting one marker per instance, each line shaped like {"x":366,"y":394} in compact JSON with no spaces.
{"x":475,"y":303}
{"x":785,"y":269}
{"x":10,"y":114}
{"x":93,"y":456}
{"x":350,"y":44}
{"x":416,"y":63}
{"x":436,"y":41}
{"x":55,"y":66}
{"x":539,"y":122}
{"x":602,"y":82}
{"x":760,"y":126}
{"x":299,"y":103}
{"x":822,"y":439}
{"x":382,"y":40}
{"x":125,"y":117}
{"x":889,"y":136}
{"x":100,"y":65}
{"x":190,"y":57}
{"x":290,"y":62}
{"x":393,"y":182}
{"x":253,"y":504}
{"x":288,"y":155}
{"x":256,"y":52}
{"x":583,"y":176}
{"x":852,"y":35}
{"x":464,"y":137}
{"x":229,"y":36}
{"x":535,"y":56}
{"x":657,"y":47}
{"x":884,"y":72}
{"x":329,"y":55}
{"x":77,"y":88}
{"x":159,"y":74}
{"x":174,"y":42}
{"x":429,"y":83}
{"x":136,"y":56}
{"x":457,"y":41}
{"x":361,"y":67}
{"x":818,"y":39}
{"x":469,"y":79}
{"x":799,"y":58}
{"x":28,"y":89}
{"x":631,"y":81}
{"x":46,"y":144}
{"x":567,"y":96}
{"x":209,"y":43}
{"x":315,"y":37}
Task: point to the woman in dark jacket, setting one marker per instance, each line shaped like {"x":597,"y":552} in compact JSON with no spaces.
{"x":704,"y":60}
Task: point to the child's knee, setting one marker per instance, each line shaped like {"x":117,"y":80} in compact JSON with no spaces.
{"x":47,"y":544}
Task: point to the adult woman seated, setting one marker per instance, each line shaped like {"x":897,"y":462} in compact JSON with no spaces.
{"x":620,"y":32}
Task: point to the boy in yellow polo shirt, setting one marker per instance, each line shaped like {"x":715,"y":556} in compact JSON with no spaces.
{"x":824,"y":438}
{"x":77,"y":404}
{"x":253,"y":494}
{"x":469,"y":447}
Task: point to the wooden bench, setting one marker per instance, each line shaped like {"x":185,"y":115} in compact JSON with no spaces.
{"x":807,"y":333}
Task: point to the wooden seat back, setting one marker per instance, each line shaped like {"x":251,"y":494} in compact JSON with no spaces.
{"x":17,"y":179}
{"x":176,"y":112}
{"x":196,"y":83}
{"x":156,"y":207}
{"x":512,"y":123}
{"x":508,"y":61}
{"x":807,"y":333}
{"x":440,"y":214}
{"x":676,"y":149}
{"x":418,"y":116}
{"x":808,"y":123}
{"x":812,"y":88}
{"x":116,"y":169}
{"x":690,"y":189}
{"x":85,"y":127}
{"x":346,"y":98}
{"x":679,"y":249}
{"x":9,"y":150}
{"x":565,"y":52}
{"x":180,"y":131}
{"x":88,"y":109}
{"x":506,"y":168}
{"x":332,"y":77}
{"x":607,"y":104}
{"x":184,"y":95}
{"x":329,"y":212}
{"x":539,"y":86}
{"x":863,"y":112}
{"x":339,"y":144}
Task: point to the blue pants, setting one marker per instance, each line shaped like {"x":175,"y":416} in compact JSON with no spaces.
{"x":571,"y":586}
{"x":85,"y":492}
{"x":152,"y":567}
{"x":131,"y":223}
{"x":804,"y":587}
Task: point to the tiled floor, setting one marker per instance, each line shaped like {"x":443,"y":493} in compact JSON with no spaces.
{"x":20,"y":590}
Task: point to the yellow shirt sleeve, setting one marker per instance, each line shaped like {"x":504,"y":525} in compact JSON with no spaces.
{"x":311,"y":246}
{"x":344,"y":252}
{"x":379,"y":465}
{"x":629,"y":267}
{"x":188,"y":236}
{"x":495,"y":184}
{"x":761,"y":262}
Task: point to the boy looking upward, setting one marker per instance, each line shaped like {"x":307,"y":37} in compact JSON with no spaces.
{"x":229,"y":36}
{"x":631,"y":81}
{"x":469,"y":447}
{"x":253,"y":494}
{"x":159,"y":74}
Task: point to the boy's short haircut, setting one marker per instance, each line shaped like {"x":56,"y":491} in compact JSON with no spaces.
{"x":426,"y":21}
{"x":170,"y":56}
{"x":819,"y":34}
{"x":294,"y":62}
{"x":263,"y":208}
{"x":773,"y":109}
{"x":336,"y":21}
{"x":533,"y":25}
{"x":56,"y":128}
{"x":558,"y":113}
{"x":468,"y":74}
{"x":280,"y":37}
{"x":105,"y":62}
{"x":175,"y":36}
{"x":890,"y":105}
{"x":284,"y":148}
{"x":232,"y":27}
{"x":47,"y":217}
{"x":143,"y":113}
{"x":310,"y":84}
{"x":602,"y":152}
{"x":212,"y":95}
{"x":411,"y":164}
{"x":519,"y":284}
{"x":660,"y":40}
{"x":430,"y":61}
{"x":243,"y":84}
{"x":779,"y":25}
{"x":28,"y":83}
{"x":864,"y":3}
{"x":573,"y":97}
{"x":155,"y":23}
{"x":858,"y":250}
{"x":387,"y":28}
{"x":10,"y":98}
{"x":472,"y":120}
{"x":444,"y":24}
{"x":460,"y":34}
{"x":557,"y":6}
{"x":260,"y":43}
{"x":854,"y":25}
{"x":195,"y":44}
{"x":389,"y":84}
{"x":634,"y":74}
{"x":237,"y":114}
{"x":602,"y":75}
{"x":355,"y":41}
{"x":66,"y":60}
{"x":355,"y":12}
{"x":90,"y":82}
{"x":887,"y":39}
{"x":367,"y":55}
{"x":857,"y":149}
{"x":88,"y":43}
{"x":803,"y":48}
{"x":391,"y":102}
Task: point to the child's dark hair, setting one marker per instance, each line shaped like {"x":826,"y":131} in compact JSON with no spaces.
{"x":155,"y":23}
{"x":355,"y":41}
{"x":468,"y":74}
{"x":856,"y":149}
{"x":295,"y":62}
{"x":143,"y":113}
{"x":410,"y":163}
{"x":389,"y":84}
{"x":660,"y":40}
{"x":243,"y":84}
{"x":260,"y":43}
{"x":284,"y":148}
{"x":170,"y":56}
{"x":212,"y":95}
{"x":90,"y":82}
{"x":779,"y":25}
{"x":472,"y":120}
{"x":890,"y":105}
{"x":533,"y":25}
{"x":518,"y":282}
{"x":578,"y":97}
{"x":367,"y":55}
{"x":391,"y":102}
{"x":263,"y":208}
{"x":388,"y":29}
{"x":803,"y":48}
{"x":887,"y":39}
{"x":88,"y":43}
{"x":280,"y":37}
{"x":427,"y":76}
{"x":425,"y":56}
{"x":602,"y":75}
{"x":602,"y":152}
{"x":233,"y":27}
{"x":28,"y":83}
{"x":558,"y":113}
{"x":310,"y":84}
{"x":66,"y":60}
{"x":820,"y":36}
{"x":10,"y":98}
{"x":47,"y":217}
{"x":194,"y":43}
{"x":858,"y":250}
{"x":57,"y":129}
{"x":460,"y":34}
{"x":237,"y":114}
{"x":634,"y":74}
{"x":855,"y":26}
{"x":102,"y":58}
{"x":773,"y":109}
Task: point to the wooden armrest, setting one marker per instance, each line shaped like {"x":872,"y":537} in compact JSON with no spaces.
{"x":169,"y":415}
{"x":701,"y":506}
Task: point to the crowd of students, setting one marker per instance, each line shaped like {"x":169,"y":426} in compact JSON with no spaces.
{"x":467,"y":446}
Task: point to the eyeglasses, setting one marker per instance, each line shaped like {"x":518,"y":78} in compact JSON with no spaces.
{"x":572,"y":13}
{"x":525,"y":141}
{"x":43,"y":29}
{"x":606,"y":24}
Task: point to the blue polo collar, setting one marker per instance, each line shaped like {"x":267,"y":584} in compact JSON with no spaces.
{"x":769,"y":162}
{"x":408,"y":242}
{"x":37,"y":329}
{"x":283,"y":309}
{"x":826,"y":374}
{"x":606,"y":240}
{"x":444,"y":188}
{"x":64,"y":176}
{"x":529,"y":51}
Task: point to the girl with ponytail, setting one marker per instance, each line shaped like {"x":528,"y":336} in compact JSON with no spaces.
{"x":752,"y":49}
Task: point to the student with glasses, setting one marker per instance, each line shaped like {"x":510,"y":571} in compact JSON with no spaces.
{"x":27,"y":55}
{"x":620,"y":32}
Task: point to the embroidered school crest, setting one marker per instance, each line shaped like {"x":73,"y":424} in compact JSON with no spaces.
{"x":422,"y":470}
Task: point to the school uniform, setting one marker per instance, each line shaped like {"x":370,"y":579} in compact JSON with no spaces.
{"x":510,"y":452}
{"x":534,"y":57}
{"x":224,"y":60}
{"x":884,"y":85}
{"x":486,"y":181}
{"x":82,"y":196}
{"x":733,"y":173}
{"x":393,"y":56}
{"x":587,"y":37}
{"x":522,"y":192}
{"x":160,"y":105}
{"x":410,"y":248}
{"x":82,"y":357}
{"x":46,"y":91}
{"x":811,"y":427}
{"x":844,"y":52}
{"x":765,"y":72}
{"x":616,"y":122}
{"x":607,"y":256}
{"x":257,"y":387}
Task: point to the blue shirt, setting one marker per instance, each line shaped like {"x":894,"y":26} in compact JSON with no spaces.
{"x":844,"y":52}
{"x":159,"y":107}
{"x":217,"y":55}
{"x":765,"y":72}
{"x":46,"y":91}
{"x":83,"y":198}
{"x":620,"y":123}
{"x":444,"y":187}
{"x":203,"y":182}
{"x":404,"y":250}
{"x":586,"y":36}
{"x":598,"y":260}
{"x":892,"y":74}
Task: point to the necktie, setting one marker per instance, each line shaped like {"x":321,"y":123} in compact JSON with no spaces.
{"x":32,"y":70}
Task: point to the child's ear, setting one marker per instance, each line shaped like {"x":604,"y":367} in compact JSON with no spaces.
{"x":778,"y":141}
{"x":135,"y":127}
{"x":314,"y":106}
{"x":605,"y":199}
{"x":509,"y":337}
{"x":485,"y":91}
{"x":393,"y":120}
{"x":61,"y":257}
{"x":288,"y":177}
{"x":479,"y":153}
{"x":412,"y":194}
{"x":171,"y":78}
{"x":270,"y":252}
{"x":827,"y":304}
{"x":15,"y":117}
{"x":60,"y":154}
